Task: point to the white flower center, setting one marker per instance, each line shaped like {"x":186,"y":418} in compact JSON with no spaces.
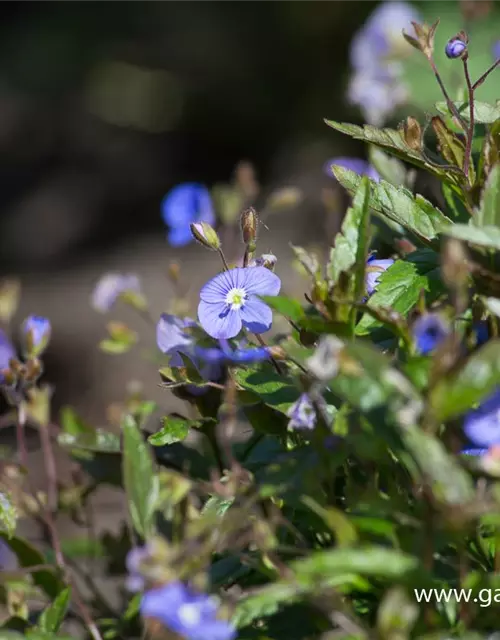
{"x":236,"y":298}
{"x":189,"y":614}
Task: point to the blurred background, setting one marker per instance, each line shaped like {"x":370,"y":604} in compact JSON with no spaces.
{"x":106,"y":106}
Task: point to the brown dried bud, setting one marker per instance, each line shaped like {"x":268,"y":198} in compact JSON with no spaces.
{"x":411,"y":132}
{"x":249,"y":222}
{"x":424,"y":40}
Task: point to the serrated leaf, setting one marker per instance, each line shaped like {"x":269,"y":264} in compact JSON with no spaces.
{"x":414,"y":213}
{"x":451,"y":146}
{"x":320,"y":570}
{"x":455,"y":394}
{"x":288,"y":307}
{"x":350,"y":245}
{"x":399,"y":287}
{"x":390,"y":169}
{"x":8,"y":515}
{"x":390,"y":140}
{"x":140,"y":480}
{"x":489,"y":210}
{"x":174,"y":429}
{"x":484,"y":113}
{"x":52,"y":617}
{"x":486,"y":236}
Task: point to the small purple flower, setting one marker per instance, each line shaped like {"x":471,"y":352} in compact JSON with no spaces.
{"x":189,"y":614}
{"x":474,"y":452}
{"x":374,"y":269}
{"x":302,"y":414}
{"x":172,"y":338}
{"x":110,"y":287}
{"x":36,"y":333}
{"x":8,"y":559}
{"x":455,"y":48}
{"x":482,"y":425}
{"x":135,"y":557}
{"x":376,"y":85}
{"x":6,"y":354}
{"x":482,"y":332}
{"x":226,"y":354}
{"x":496,"y":50}
{"x":229,"y":302}
{"x":359,"y":166}
{"x":429,"y":331}
{"x":184,"y":204}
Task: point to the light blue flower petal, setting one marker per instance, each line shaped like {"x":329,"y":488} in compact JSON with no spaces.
{"x":482,"y":425}
{"x":170,"y":334}
{"x":261,"y":282}
{"x":216,"y":630}
{"x":180,"y":236}
{"x":218,"y":320}
{"x":6,"y":350}
{"x":180,"y":205}
{"x":256,"y":315}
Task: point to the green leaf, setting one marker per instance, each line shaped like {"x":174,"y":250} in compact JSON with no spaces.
{"x":338,"y":523}
{"x":486,"y":236}
{"x":8,"y":515}
{"x":390,"y":140}
{"x":53,"y":616}
{"x":98,"y":441}
{"x":489,"y":210}
{"x":28,"y":556}
{"x":449,"y":482}
{"x":455,"y":394}
{"x":414,"y":213}
{"x":350,"y":245}
{"x":390,"y":169}
{"x":140,"y":480}
{"x":174,"y":429}
{"x":484,"y":113}
{"x":288,"y":307}
{"x":399,"y":287}
{"x":323,"y":569}
{"x":273,"y":389}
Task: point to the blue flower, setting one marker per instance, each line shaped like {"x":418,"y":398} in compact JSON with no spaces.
{"x":482,"y":425}
{"x":429,"y":331}
{"x":184,"y":204}
{"x":226,"y":354}
{"x":455,"y":48}
{"x":359,"y":166}
{"x":189,"y":614}
{"x":110,"y":287}
{"x":482,"y":332}
{"x":229,"y":301}
{"x":36,"y":333}
{"x":6,"y":354}
{"x":376,"y":85}
{"x":8,"y":559}
{"x":374,"y":269}
{"x":496,"y":50}
{"x":172,"y":338}
{"x":135,"y":557}
{"x":302,"y":414}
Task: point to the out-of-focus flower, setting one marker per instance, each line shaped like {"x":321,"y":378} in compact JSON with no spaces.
{"x":36,"y":334}
{"x":8,"y":559}
{"x":429,"y":331}
{"x":376,"y":85}
{"x":184,"y":204}
{"x":482,"y":425}
{"x":229,"y":301}
{"x":135,"y":557}
{"x":191,"y":615}
{"x":172,"y":338}
{"x":110,"y":287}
{"x":6,"y":354}
{"x":302,"y":414}
{"x":374,"y":269}
{"x":267,"y":260}
{"x":225,"y":353}
{"x":359,"y":166}
{"x":455,"y":48}
{"x":481,"y":332}
{"x":496,"y":50}
{"x":324,"y":363}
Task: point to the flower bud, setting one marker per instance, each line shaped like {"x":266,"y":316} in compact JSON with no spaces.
{"x":249,"y":222}
{"x":36,"y":333}
{"x":205,"y":235}
{"x":456,"y":47}
{"x":267,"y":260}
{"x":411,"y":132}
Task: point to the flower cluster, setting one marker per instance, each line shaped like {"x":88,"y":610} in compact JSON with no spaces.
{"x":376,"y":85}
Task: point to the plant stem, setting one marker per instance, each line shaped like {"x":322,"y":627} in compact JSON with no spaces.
{"x":449,"y":102}
{"x":480,"y":81}
{"x":470,"y":130}
{"x":223,"y":258}
{"x":262,"y":343}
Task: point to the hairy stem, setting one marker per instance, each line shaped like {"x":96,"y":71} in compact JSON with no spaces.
{"x":449,"y":102}
{"x":470,"y":130}
{"x":480,"y":80}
